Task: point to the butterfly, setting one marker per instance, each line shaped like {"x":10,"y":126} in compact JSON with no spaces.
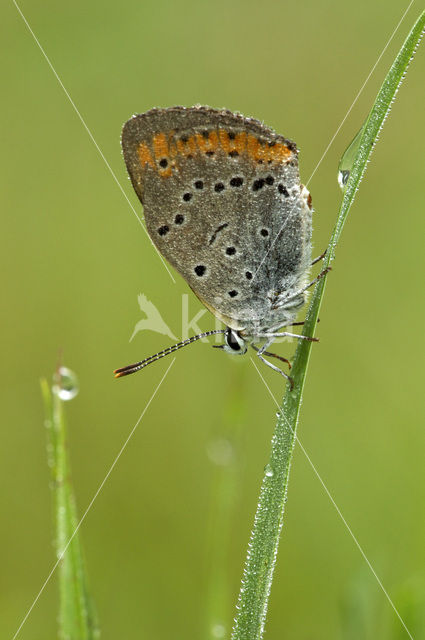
{"x":223,"y":203}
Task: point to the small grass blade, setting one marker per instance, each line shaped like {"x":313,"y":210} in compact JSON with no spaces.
{"x":77,"y":619}
{"x":263,"y":546}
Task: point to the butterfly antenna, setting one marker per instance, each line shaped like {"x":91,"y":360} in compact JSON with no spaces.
{"x":132,"y":368}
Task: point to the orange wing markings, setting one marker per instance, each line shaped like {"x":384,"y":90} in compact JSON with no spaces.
{"x":253,"y":148}
{"x":266,"y":152}
{"x":206,"y":143}
{"x":186,"y":146}
{"x":145,"y":155}
{"x":239,"y":143}
{"x":201,"y":142}
{"x":160,"y":158}
{"x":224,"y":140}
{"x":280,"y":153}
{"x":213,"y":139}
{"x":166,"y":148}
{"x":191,"y":145}
{"x":231,"y":142}
{"x":160,"y":146}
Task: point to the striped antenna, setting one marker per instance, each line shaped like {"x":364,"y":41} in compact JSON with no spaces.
{"x":132,"y":368}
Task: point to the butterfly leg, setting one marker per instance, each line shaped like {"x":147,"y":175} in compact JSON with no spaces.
{"x":261,"y":351}
{"x":313,"y":282}
{"x":272,"y":355}
{"x":283,"y":301}
{"x":322,"y":255}
{"x":287,"y":334}
{"x":298,"y":324}
{"x":292,"y":301}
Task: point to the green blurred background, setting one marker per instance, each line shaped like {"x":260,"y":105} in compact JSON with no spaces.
{"x":74,"y":259}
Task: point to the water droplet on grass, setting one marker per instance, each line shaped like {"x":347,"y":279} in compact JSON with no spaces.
{"x":65,"y":384}
{"x":268,"y":471}
{"x":347,"y":160}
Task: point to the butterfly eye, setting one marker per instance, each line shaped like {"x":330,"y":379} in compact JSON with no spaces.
{"x":234,"y":341}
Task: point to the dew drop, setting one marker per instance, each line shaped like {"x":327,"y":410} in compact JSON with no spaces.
{"x":347,"y":160}
{"x":268,"y":471}
{"x":65,"y":384}
{"x":343,"y":175}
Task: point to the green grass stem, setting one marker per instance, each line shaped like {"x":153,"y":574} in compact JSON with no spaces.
{"x":77,"y":619}
{"x":263,"y":545}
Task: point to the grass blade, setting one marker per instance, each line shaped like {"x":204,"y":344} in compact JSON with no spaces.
{"x":77,"y":619}
{"x":263,"y":546}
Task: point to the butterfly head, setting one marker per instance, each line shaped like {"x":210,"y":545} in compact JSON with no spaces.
{"x":234,"y":343}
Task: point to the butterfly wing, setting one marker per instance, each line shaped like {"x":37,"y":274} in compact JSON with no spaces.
{"x":223,"y":204}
